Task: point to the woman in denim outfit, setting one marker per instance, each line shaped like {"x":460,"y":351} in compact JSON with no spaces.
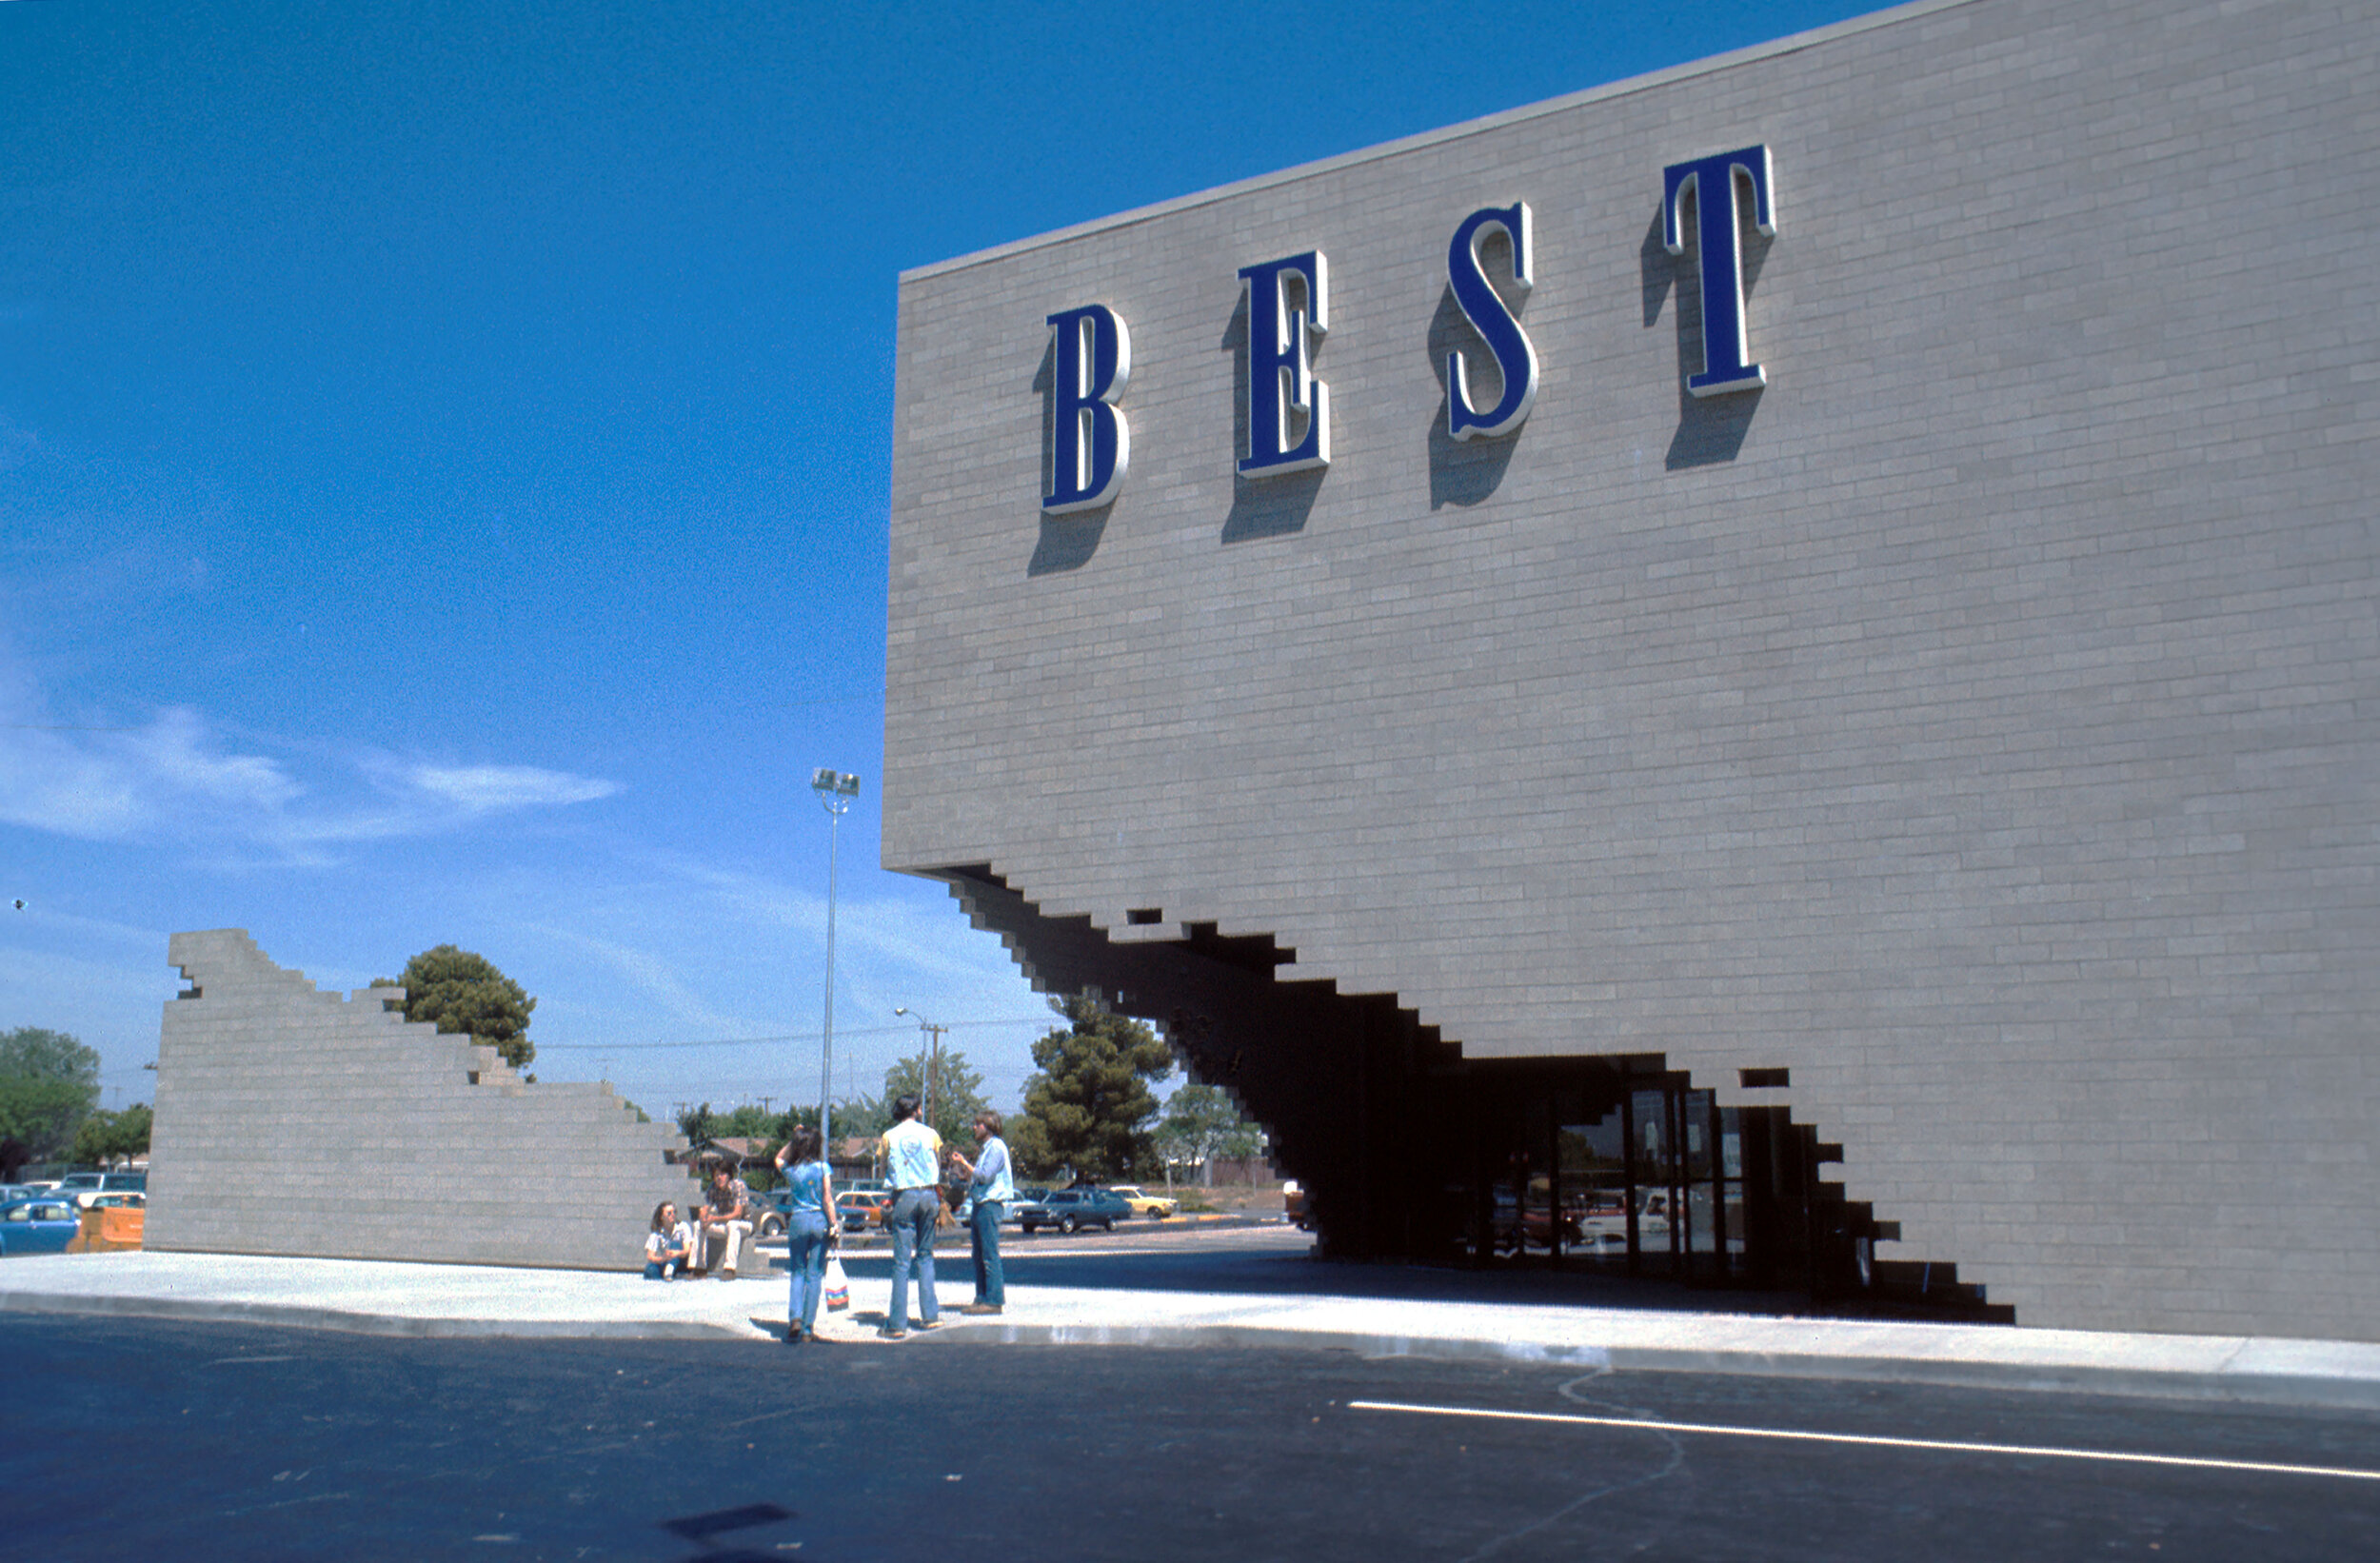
{"x":809,"y":1221}
{"x":665,"y":1244}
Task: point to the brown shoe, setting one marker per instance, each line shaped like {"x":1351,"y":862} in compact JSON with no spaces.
{"x":978,"y":1308}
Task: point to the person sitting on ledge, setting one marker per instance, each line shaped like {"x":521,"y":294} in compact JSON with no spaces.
{"x":665,"y":1244}
{"x":726,"y":1219}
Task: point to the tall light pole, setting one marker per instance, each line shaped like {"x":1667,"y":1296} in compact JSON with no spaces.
{"x":835,"y":790}
{"x":933,"y":1058}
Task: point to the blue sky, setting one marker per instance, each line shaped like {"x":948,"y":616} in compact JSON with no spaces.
{"x":444,"y":457}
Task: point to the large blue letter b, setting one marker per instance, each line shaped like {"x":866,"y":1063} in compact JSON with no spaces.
{"x":1089,"y":440}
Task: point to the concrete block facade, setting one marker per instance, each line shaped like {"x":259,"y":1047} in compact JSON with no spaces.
{"x":1979,"y":723}
{"x":293,"y":1120}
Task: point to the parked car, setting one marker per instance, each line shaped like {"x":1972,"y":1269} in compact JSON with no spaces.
{"x":1155,"y":1206}
{"x":44,"y":1224}
{"x":861,"y":1207}
{"x":1071,"y":1210}
{"x":768,"y":1212}
{"x":85,"y":1187}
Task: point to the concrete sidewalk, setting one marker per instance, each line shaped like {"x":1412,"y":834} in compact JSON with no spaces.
{"x":458,"y":1300}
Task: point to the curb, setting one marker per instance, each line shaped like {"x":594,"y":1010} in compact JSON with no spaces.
{"x":2302,"y":1390}
{"x":300,"y":1316}
{"x":2293,"y":1390}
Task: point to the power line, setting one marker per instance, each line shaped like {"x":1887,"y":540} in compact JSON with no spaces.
{"x":759,"y":1042}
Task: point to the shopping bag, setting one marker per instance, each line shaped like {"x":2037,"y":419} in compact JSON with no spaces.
{"x":837,"y":1285}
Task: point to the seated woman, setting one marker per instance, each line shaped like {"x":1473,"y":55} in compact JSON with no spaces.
{"x":665,"y":1245}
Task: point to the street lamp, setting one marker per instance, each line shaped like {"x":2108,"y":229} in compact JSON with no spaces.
{"x":933,"y":1058}
{"x":835,"y":790}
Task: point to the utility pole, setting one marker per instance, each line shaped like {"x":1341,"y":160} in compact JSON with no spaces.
{"x":933,"y":1070}
{"x":933,"y":1058}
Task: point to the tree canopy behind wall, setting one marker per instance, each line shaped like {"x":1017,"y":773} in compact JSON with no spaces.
{"x":1088,"y":1109}
{"x":49,"y":1084}
{"x":458,"y":990}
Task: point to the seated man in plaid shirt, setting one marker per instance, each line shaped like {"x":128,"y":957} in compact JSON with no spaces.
{"x":725,"y":1218}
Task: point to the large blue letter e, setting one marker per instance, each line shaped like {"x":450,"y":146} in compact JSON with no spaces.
{"x":1281,"y":389}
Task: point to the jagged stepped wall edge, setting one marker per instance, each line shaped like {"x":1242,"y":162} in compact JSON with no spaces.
{"x":290,"y":1121}
{"x":1240,"y":1027}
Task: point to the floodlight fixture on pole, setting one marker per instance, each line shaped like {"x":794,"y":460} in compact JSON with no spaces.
{"x":835,"y":791}
{"x":933,"y":1058}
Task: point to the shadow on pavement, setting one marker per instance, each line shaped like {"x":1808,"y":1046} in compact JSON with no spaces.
{"x":1292,"y":1273}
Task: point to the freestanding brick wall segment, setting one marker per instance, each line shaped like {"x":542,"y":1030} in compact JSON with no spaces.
{"x":291,"y":1121}
{"x":1975,"y":729}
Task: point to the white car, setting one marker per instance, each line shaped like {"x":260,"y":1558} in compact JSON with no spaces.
{"x":87,"y":1187}
{"x":1155,"y":1206}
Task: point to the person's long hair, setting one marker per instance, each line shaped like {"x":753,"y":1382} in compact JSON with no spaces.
{"x":660,"y":1212}
{"x":803,"y":1147}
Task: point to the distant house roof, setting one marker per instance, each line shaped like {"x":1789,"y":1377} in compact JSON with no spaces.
{"x":735,"y":1149}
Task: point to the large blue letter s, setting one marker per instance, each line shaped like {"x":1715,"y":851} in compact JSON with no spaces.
{"x":1090,"y":443}
{"x":1515,"y":359}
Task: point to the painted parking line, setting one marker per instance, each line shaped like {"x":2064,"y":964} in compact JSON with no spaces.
{"x":2189,"y":1462}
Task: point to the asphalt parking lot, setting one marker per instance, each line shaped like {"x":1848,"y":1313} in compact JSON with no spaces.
{"x":155,"y":1438}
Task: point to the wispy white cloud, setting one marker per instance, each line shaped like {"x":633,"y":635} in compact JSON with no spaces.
{"x":912,"y":939}
{"x":652,"y":975}
{"x":490,"y":789}
{"x":173,"y":778}
{"x":103,"y":784}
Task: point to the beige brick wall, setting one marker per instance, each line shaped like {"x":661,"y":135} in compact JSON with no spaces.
{"x":291,"y":1121}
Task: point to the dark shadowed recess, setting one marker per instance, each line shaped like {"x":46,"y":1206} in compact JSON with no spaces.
{"x":1603,"y":1168}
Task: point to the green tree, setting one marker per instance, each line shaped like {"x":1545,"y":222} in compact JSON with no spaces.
{"x":106,"y":1136}
{"x":1202,"y":1122}
{"x":461,"y":992}
{"x":771,"y":1130}
{"x":862,"y":1117}
{"x":1088,"y":1108}
{"x":957,"y":1096}
{"x":48,"y":1085}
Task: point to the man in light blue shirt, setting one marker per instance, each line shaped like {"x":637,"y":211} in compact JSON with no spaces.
{"x":991,"y":1188}
{"x":913,"y":1154}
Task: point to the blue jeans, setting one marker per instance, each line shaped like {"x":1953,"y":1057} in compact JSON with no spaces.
{"x":984,"y":1228}
{"x":912,"y":1224}
{"x":805,"y":1255}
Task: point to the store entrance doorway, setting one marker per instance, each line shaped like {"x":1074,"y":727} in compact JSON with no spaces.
{"x":1596,"y":1165}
